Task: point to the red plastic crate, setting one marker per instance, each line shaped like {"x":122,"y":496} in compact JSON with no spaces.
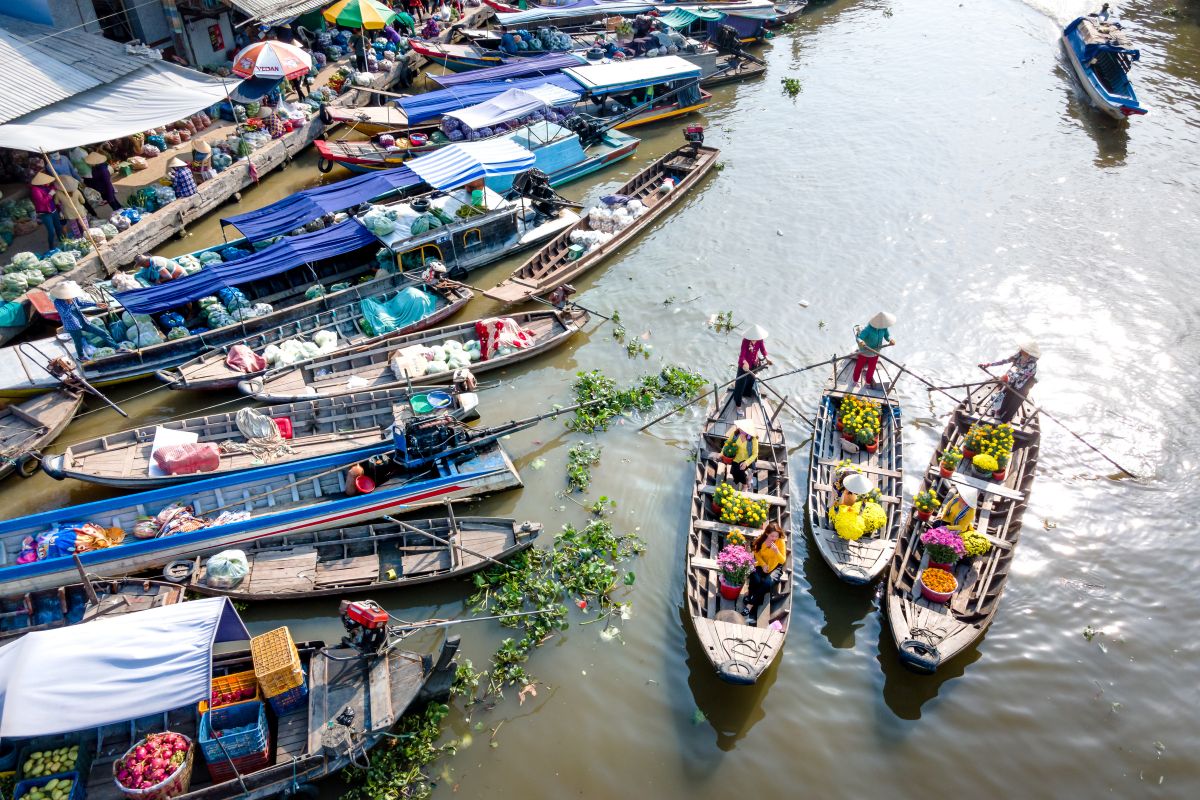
{"x":222,"y":770}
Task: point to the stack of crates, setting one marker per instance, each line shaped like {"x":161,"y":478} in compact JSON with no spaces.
{"x":235,"y":737}
{"x":278,"y":670}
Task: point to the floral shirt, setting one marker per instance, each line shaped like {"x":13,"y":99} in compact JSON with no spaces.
{"x":1024,"y":367}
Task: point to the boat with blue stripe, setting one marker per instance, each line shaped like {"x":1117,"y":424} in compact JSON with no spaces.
{"x":1101,"y":57}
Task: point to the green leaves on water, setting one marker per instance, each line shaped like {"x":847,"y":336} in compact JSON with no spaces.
{"x":581,"y":458}
{"x":791,"y":86}
{"x":630,"y":578}
{"x":671,"y":381}
{"x":698,"y":717}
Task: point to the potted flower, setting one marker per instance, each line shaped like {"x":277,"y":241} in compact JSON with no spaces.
{"x":944,"y":546}
{"x":950,"y":460}
{"x":735,"y":562}
{"x":1001,"y":462}
{"x":975,"y":545}
{"x":848,"y":522}
{"x":938,"y":585}
{"x":926,"y":502}
{"x":985,"y":465}
{"x":975,"y":439}
{"x":736,"y":537}
{"x":729,"y":452}
{"x":723,"y":499}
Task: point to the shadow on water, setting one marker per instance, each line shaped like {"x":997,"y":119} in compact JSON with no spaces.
{"x":1111,"y":136}
{"x":906,"y":692}
{"x":730,"y":710}
{"x":844,"y":606}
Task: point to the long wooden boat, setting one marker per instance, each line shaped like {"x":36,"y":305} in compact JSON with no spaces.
{"x":860,"y":561}
{"x":928,"y":634}
{"x":210,"y":372}
{"x":277,"y":499}
{"x":365,"y":558}
{"x":739,"y":648}
{"x":553,"y":266}
{"x":1100,"y":56}
{"x":353,"y":423}
{"x":463,"y":57}
{"x":26,"y":428}
{"x":370,"y":368}
{"x":372,"y":120}
{"x":72,"y":604}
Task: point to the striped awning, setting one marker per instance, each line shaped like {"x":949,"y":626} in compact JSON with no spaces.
{"x":456,"y":164}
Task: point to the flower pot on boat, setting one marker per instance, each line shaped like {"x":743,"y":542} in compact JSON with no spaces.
{"x":946,"y":473}
{"x":923,"y":515}
{"x":938,"y":585}
{"x":728,"y":590}
{"x":999,"y":476}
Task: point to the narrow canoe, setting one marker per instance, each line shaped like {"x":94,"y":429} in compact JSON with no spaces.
{"x":209,"y":372}
{"x":71,"y":605}
{"x":928,"y":634}
{"x":26,"y":428}
{"x":359,"y":422}
{"x":277,"y":499}
{"x":860,"y":561}
{"x":355,"y":560}
{"x":552,"y":266}
{"x":739,"y":648}
{"x":363,"y":368}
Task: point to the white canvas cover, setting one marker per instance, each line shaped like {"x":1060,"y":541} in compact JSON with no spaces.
{"x":154,"y":95}
{"x":634,"y":73}
{"x":513,"y":104}
{"x":112,"y":670}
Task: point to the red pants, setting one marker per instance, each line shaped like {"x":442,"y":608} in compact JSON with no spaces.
{"x":865,"y":361}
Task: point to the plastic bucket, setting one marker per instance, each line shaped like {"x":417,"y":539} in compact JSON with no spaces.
{"x":364,"y":484}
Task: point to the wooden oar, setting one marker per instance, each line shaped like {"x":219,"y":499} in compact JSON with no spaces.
{"x":1061,"y":424}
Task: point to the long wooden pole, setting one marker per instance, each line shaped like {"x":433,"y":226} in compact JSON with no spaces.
{"x":71,"y":201}
{"x":458,"y":547}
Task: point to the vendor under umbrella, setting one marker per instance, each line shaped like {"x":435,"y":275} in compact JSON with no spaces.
{"x":101,"y":178}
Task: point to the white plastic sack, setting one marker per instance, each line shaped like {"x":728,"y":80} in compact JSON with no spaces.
{"x":226,"y":569}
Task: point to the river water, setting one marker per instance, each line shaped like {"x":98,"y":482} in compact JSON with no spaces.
{"x":939,"y":162}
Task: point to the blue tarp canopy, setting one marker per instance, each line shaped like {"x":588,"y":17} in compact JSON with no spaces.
{"x":300,"y":208}
{"x":253,"y":89}
{"x":581,"y":9}
{"x":112,"y":669}
{"x":455,"y":164}
{"x":289,"y":252}
{"x":541,"y":65}
{"x":430,"y":105}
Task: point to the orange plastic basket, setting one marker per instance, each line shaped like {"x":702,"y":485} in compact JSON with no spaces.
{"x":233,"y":683}
{"x":276,"y":662}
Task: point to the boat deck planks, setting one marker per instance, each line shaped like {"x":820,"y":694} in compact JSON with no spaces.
{"x":34,"y":424}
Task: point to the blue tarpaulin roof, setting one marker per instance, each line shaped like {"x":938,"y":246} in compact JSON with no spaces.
{"x":290,"y":252}
{"x":542,"y":65}
{"x":302,"y":207}
{"x":455,"y":164}
{"x":430,"y":105}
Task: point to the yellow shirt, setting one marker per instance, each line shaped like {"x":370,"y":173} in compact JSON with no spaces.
{"x":743,"y":454}
{"x":958,"y":515}
{"x":770,"y":557}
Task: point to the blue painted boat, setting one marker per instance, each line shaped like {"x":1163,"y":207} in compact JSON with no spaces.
{"x":1100,"y":55}
{"x":279,"y":499}
{"x":561,"y":155}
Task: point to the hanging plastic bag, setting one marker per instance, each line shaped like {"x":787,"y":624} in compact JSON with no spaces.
{"x":226,"y":569}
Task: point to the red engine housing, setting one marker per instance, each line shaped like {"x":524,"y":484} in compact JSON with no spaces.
{"x":366,"y":613}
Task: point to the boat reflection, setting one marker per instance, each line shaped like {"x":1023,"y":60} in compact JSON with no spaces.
{"x":845,"y":607}
{"x":905,"y":692}
{"x":1111,"y":136}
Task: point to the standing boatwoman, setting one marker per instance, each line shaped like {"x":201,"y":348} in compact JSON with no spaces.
{"x":870,"y":341}
{"x":753,"y":356}
{"x":1019,"y":380}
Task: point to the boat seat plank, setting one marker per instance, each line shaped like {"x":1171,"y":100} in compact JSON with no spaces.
{"x":704,"y":563}
{"x":283,"y":571}
{"x":426,"y":562}
{"x":347,"y":571}
{"x":770,"y":466}
{"x":318,"y":701}
{"x":891,"y":473}
{"x":380,"y":691}
{"x":292,"y":739}
{"x":770,"y":499}
{"x":986,"y":486}
{"x":825,"y":487}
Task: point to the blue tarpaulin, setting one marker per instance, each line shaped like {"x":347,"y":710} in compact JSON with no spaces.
{"x":541,"y":65}
{"x":430,"y":105}
{"x":300,"y":208}
{"x":285,"y":254}
{"x":456,"y":164}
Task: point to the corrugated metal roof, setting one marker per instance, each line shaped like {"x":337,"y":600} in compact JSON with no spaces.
{"x":270,"y":11}
{"x":42,"y":66}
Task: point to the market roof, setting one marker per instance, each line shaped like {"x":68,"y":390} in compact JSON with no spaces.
{"x":272,"y":11}
{"x":43,"y":65}
{"x":539,"y":65}
{"x":456,"y":164}
{"x":113,"y":669}
{"x":634,"y":73}
{"x":429,"y":105}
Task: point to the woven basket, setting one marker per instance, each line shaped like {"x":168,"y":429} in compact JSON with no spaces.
{"x":276,"y":662}
{"x":172,"y":786}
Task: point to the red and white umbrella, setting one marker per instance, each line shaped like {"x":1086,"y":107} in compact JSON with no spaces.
{"x":271,"y":59}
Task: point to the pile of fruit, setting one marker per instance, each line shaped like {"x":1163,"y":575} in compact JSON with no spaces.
{"x":50,"y":762}
{"x":155,"y":759}
{"x":55,"y":789}
{"x":228,"y":698}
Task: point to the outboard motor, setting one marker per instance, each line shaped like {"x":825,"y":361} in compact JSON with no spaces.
{"x":534,"y":185}
{"x":422,"y":440}
{"x":694,"y":135}
{"x":366,"y":625}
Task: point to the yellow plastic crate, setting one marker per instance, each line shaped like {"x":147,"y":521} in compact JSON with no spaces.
{"x":276,"y":662}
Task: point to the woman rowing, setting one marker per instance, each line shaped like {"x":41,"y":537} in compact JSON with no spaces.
{"x":1018,"y":381}
{"x":870,"y":341}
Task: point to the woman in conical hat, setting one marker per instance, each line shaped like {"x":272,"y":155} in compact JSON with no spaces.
{"x":870,"y":341}
{"x":69,"y":301}
{"x":744,"y":437}
{"x":1019,"y":380}
{"x":753,"y":356}
{"x":101,"y":179}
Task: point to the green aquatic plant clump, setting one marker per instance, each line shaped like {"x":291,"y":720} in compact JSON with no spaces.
{"x":672,"y":381}
{"x":580,"y":460}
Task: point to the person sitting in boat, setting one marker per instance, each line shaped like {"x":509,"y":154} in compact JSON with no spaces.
{"x":69,"y":301}
{"x":959,"y":513}
{"x":770,"y":554}
{"x":870,"y":341}
{"x":363,"y":477}
{"x":508,"y":42}
{"x":156,"y":269}
{"x":853,"y":486}
{"x":744,"y":437}
{"x":752,"y":357}
{"x":1018,"y":381}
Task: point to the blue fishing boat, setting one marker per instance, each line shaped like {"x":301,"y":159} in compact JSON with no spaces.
{"x":562,"y":156}
{"x":1099,"y":52}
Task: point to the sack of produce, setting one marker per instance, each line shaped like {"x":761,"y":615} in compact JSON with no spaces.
{"x":156,"y":768}
{"x":226,"y":569}
{"x":314,"y":291}
{"x":47,"y":269}
{"x":124,"y":282}
{"x":22,"y":261}
{"x":242,"y":359}
{"x":184,"y":459}
{"x":34,"y":277}
{"x":179,"y":332}
{"x":63,"y":261}
{"x":325,"y":340}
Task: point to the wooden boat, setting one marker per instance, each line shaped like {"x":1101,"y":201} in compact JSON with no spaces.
{"x":370,"y":367}
{"x":276,"y":498}
{"x":553,"y":266}
{"x":860,"y":561}
{"x":358,"y":559}
{"x":1101,"y":58}
{"x":466,"y":56}
{"x":739,"y":648}
{"x":72,"y":604}
{"x":27,"y":427}
{"x":928,"y":634}
{"x":373,"y":120}
{"x":354,"y":423}
{"x":787,"y":12}
{"x":209,"y":370}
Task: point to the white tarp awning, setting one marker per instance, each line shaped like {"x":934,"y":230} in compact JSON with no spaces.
{"x":513,"y":104}
{"x":456,"y":164}
{"x":154,"y":95}
{"x":112,"y":670}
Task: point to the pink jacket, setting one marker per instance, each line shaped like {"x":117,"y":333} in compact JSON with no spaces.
{"x":43,"y":199}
